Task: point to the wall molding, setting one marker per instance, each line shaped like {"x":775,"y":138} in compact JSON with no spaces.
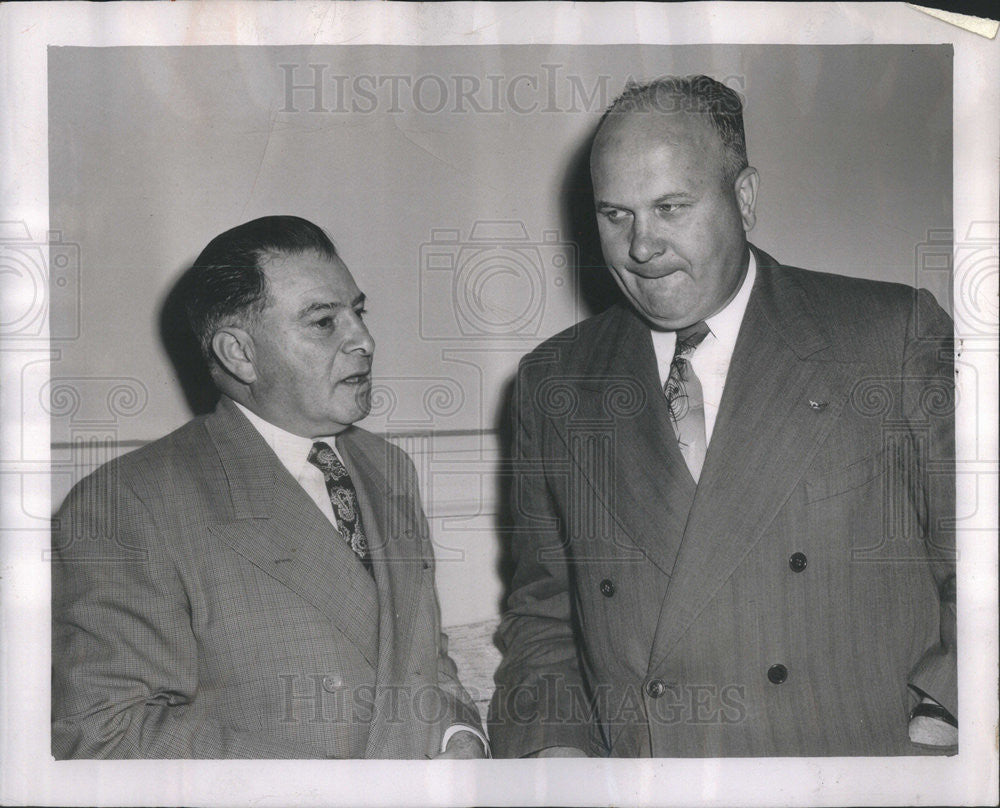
{"x":457,"y":468}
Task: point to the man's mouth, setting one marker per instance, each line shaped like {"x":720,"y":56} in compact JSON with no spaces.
{"x":357,"y":379}
{"x":652,"y":273}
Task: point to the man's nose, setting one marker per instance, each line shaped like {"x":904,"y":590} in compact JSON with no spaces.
{"x":645,"y":243}
{"x":360,"y":339}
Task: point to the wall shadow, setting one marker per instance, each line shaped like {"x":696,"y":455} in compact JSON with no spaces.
{"x":596,"y":288}
{"x":184,"y":353}
{"x":504,"y":480}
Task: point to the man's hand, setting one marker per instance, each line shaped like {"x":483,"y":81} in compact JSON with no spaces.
{"x":559,"y":751}
{"x":462,"y":746}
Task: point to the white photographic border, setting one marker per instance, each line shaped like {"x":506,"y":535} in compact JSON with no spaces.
{"x":30,"y":775}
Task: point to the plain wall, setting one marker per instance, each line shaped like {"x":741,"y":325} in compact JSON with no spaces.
{"x":464,"y":218}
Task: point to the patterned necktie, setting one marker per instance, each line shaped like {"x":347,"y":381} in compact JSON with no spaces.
{"x":685,"y":399}
{"x":344,"y":499}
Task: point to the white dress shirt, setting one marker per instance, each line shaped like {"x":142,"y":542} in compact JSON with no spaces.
{"x":711,"y":359}
{"x":293,"y":452}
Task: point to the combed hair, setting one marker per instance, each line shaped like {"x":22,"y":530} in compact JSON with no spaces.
{"x":226,"y":284}
{"x":692,"y":94}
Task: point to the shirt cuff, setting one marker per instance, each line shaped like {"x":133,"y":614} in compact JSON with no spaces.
{"x":455,"y":728}
{"x":932,"y":725}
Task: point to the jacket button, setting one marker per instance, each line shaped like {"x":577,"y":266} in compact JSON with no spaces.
{"x":777,"y":674}
{"x":797,"y":562}
{"x":332,"y":683}
{"x":607,"y":587}
{"x":655,"y":688}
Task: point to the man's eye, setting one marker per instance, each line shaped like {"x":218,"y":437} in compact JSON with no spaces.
{"x":323,"y":322}
{"x":614,"y":215}
{"x":670,"y":207}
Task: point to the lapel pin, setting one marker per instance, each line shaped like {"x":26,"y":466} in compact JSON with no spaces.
{"x":817,"y":405}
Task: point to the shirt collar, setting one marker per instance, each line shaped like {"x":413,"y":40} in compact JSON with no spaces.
{"x":725,"y":324}
{"x":292,"y":450}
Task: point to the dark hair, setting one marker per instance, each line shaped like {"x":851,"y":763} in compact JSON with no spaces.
{"x":694,"y":95}
{"x":226,"y":283}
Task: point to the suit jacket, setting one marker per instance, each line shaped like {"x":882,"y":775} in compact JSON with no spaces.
{"x":204,"y":607}
{"x":799,"y":598}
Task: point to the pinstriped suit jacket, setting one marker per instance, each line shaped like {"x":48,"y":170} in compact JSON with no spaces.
{"x":204,"y":607}
{"x":649,"y":616}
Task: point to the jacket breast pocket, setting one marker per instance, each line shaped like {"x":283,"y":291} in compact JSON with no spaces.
{"x":846,"y":478}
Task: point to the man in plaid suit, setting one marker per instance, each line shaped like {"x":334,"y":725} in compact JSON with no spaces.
{"x":260,"y":582}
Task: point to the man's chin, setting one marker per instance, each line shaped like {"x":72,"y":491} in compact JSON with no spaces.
{"x":663,"y":319}
{"x":666,"y":312}
{"x":361,"y":402}
{"x":350,"y":403}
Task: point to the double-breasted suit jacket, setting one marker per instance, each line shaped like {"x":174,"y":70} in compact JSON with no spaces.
{"x":203,"y":606}
{"x":799,"y":599}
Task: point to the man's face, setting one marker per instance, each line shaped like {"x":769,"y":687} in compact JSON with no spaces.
{"x":311,"y":350}
{"x":672,"y":229}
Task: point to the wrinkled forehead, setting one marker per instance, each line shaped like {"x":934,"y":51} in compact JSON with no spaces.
{"x":297,"y":277}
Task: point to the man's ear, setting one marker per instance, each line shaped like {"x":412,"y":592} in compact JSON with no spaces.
{"x":745,"y":187}
{"x":234,"y":350}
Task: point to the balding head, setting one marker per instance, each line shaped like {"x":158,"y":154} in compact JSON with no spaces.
{"x":691,"y":98}
{"x":672,"y":214}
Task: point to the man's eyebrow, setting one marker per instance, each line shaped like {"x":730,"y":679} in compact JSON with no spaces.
{"x":314,"y":308}
{"x":673,"y":196}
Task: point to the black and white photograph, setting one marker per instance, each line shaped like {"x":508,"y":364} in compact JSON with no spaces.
{"x":390,"y":386}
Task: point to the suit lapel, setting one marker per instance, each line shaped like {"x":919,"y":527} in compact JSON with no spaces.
{"x":397,"y":561}
{"x":395,"y":546}
{"x":279,"y":529}
{"x":646,"y":486}
{"x":782,"y":396}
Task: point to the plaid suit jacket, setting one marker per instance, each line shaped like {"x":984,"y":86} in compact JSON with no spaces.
{"x":203,"y":607}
